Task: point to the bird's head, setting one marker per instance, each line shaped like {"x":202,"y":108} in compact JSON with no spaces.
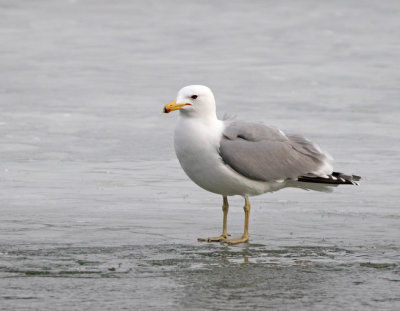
{"x":193,"y":101}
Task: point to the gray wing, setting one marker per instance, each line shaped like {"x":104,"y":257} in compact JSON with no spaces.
{"x":265,"y":153}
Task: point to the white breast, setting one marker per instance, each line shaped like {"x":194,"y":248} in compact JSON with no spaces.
{"x":196,"y":146}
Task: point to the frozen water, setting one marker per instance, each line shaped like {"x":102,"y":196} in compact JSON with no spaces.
{"x":95,"y":212}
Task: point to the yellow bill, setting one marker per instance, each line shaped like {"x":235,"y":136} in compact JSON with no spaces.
{"x":173,"y":106}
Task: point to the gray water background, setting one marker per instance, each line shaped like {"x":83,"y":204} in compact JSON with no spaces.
{"x":95,"y":211}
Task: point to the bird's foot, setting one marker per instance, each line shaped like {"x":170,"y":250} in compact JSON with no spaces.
{"x":242,"y":239}
{"x":220,"y":238}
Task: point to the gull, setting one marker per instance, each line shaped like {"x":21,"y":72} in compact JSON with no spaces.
{"x":232,"y":157}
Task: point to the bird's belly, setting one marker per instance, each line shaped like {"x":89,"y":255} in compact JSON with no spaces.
{"x":200,"y":159}
{"x":206,"y":170}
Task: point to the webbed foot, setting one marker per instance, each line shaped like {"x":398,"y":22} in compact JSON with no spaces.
{"x":220,"y":238}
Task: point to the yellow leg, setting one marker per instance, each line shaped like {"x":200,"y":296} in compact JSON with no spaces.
{"x":224,"y":235}
{"x":245,"y":236}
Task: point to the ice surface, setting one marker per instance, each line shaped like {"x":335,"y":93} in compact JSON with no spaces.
{"x":95,"y":211}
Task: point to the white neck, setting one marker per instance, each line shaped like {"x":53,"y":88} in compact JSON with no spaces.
{"x":205,"y":117}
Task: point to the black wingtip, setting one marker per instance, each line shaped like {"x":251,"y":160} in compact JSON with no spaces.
{"x":335,"y":179}
{"x":356,"y":178}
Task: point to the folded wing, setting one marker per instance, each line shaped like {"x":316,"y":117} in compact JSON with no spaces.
{"x":265,"y":153}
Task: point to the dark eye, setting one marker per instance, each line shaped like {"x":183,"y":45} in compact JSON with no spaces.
{"x":193,"y":96}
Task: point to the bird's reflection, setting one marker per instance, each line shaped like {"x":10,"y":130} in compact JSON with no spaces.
{"x":227,"y":254}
